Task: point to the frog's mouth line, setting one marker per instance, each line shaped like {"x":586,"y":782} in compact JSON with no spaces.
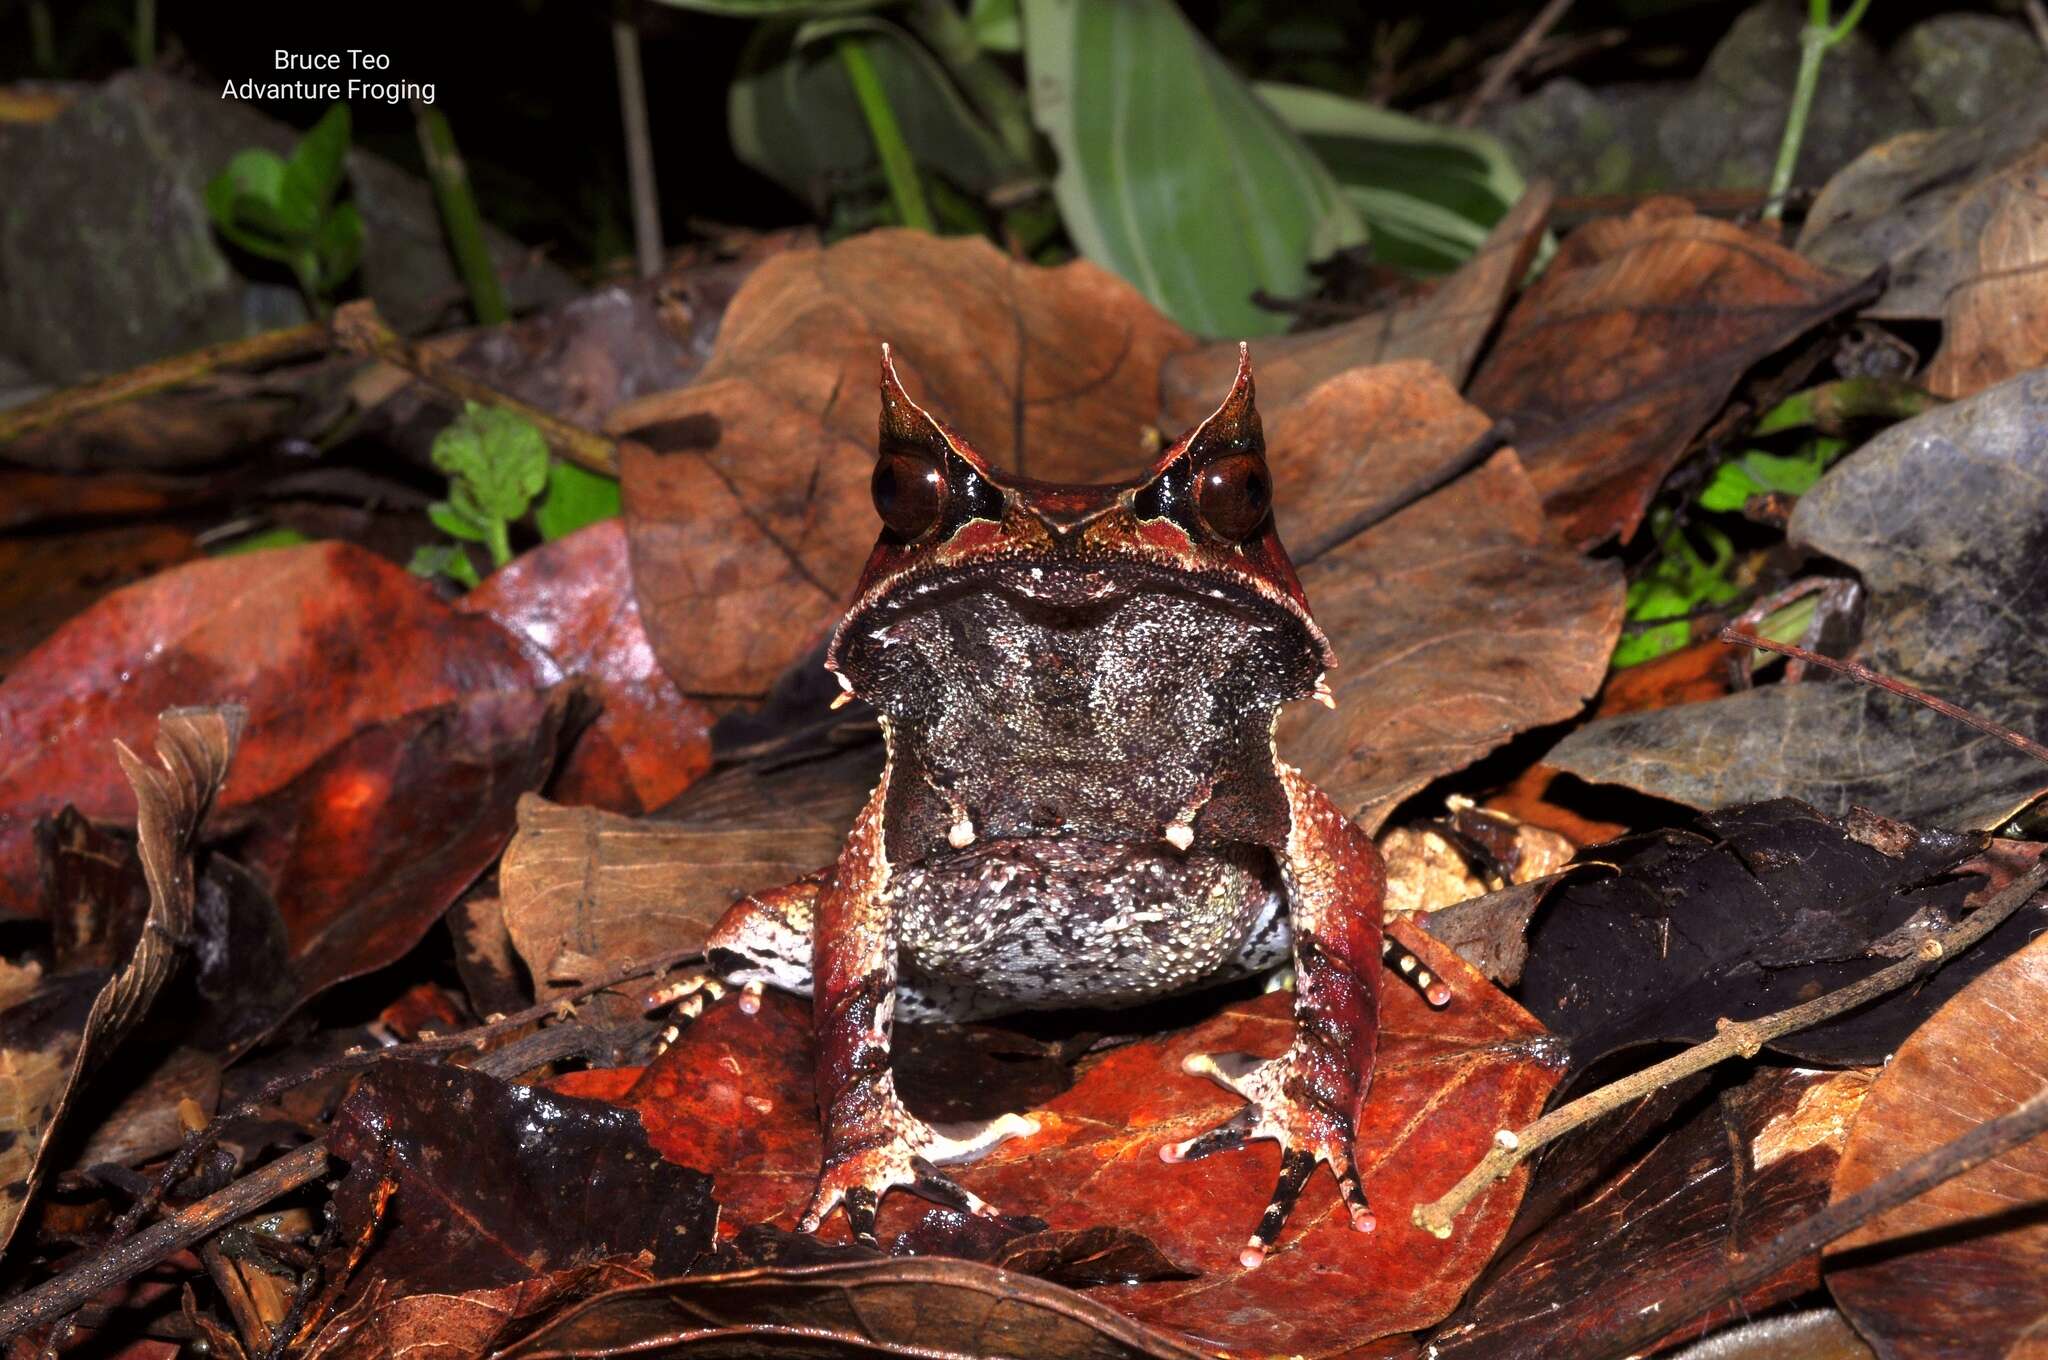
{"x":1077,"y":595}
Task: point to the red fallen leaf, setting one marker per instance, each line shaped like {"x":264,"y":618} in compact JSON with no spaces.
{"x":47,"y":578}
{"x":573,"y":599}
{"x":1628,"y":345}
{"x":314,"y":642}
{"x":1744,"y":1169}
{"x":734,"y":1096}
{"x":366,"y":850}
{"x":747,"y":504}
{"x":1961,"y":1271}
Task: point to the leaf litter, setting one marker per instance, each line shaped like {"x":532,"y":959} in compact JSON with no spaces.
{"x":390,"y":778}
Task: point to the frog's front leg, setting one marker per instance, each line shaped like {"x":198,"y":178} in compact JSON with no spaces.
{"x":1308,"y":1098}
{"x":871,"y":1141}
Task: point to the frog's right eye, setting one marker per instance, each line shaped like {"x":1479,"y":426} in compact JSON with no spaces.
{"x":910,"y":493}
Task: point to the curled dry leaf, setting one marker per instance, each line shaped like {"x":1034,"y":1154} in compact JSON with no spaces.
{"x":573,"y":599}
{"x":1995,"y":317}
{"x":1756,"y":1160}
{"x":1630,"y":342}
{"x":284,"y":637}
{"x":1443,"y":326}
{"x":584,"y":890}
{"x":485,"y":1203}
{"x":194,"y":748}
{"x":734,"y":1096}
{"x":1961,"y":1271}
{"x":747,"y":500}
{"x":1943,"y":516}
{"x":342,"y":848}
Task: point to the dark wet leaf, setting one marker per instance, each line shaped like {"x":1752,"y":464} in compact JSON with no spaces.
{"x":573,"y":598}
{"x":1962,"y":1270}
{"x":1943,"y":515}
{"x":1755,"y":1161}
{"x":1628,"y":345}
{"x":314,"y":642}
{"x":490,"y":1203}
{"x":50,"y":1046}
{"x":366,"y":850}
{"x":1760,"y":908}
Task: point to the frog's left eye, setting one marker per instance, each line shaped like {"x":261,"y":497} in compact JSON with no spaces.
{"x":1234,"y":495}
{"x":910,"y":493}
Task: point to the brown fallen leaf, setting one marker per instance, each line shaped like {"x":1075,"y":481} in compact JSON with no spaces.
{"x":584,"y":890}
{"x":368,"y":848}
{"x":1445,"y":326}
{"x":1459,"y":622}
{"x":573,"y":599}
{"x":47,"y":578}
{"x":1961,"y":1271}
{"x":734,"y":1096}
{"x":314,"y":642}
{"x":747,"y":498}
{"x":194,"y":748}
{"x":1630,"y":342}
{"x":1722,"y":1184}
{"x":1995,"y":317}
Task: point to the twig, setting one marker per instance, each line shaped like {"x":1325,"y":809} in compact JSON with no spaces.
{"x":1809,"y":1235}
{"x":359,"y":330}
{"x":181,"y":1229}
{"x":2037,"y":19}
{"x":1745,"y":1038}
{"x":459,"y":214}
{"x":639,"y":147}
{"x":1511,"y":61}
{"x":269,"y":347}
{"x":1862,"y":674}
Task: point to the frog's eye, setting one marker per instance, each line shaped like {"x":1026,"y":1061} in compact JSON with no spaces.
{"x":910,"y":493}
{"x":1234,"y":494}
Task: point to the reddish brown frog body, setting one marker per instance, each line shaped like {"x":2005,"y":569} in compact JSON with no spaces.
{"x":1082,"y":803}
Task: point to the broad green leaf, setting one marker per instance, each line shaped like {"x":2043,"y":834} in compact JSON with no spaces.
{"x":339,"y":244}
{"x":1172,"y":172}
{"x":1757,"y":473}
{"x":792,"y":114}
{"x":319,"y":160}
{"x":575,"y":498}
{"x":1428,"y":193}
{"x":496,"y":462}
{"x":777,"y":9}
{"x":457,"y":523}
{"x":996,"y":25}
{"x":259,"y":174}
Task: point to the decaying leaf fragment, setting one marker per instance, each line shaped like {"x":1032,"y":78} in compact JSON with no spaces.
{"x":194,"y":748}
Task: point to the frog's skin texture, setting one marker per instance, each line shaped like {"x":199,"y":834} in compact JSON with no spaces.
{"x":1082,"y":803}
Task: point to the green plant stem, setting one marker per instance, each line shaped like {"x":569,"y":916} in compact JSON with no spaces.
{"x":1831,"y":407}
{"x":459,"y":215}
{"x":1814,"y":41}
{"x":897,"y":166}
{"x":42,"y":37}
{"x":499,"y":540}
{"x":145,"y":32}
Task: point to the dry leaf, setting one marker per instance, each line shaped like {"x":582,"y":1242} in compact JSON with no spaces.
{"x":1995,"y":317}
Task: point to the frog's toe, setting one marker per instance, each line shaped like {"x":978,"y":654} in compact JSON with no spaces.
{"x":1306,"y":1137}
{"x":689,"y":996}
{"x":859,"y":1180}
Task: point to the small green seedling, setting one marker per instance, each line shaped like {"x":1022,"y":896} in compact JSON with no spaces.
{"x":497,"y":464}
{"x":285,"y":210}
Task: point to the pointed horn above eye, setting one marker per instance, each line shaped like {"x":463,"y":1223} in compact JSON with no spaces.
{"x":1235,"y":424}
{"x":906,"y":425}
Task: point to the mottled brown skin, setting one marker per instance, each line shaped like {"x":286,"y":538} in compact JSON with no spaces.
{"x":1082,"y":802}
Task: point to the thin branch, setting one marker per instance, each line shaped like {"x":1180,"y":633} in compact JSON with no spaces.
{"x":293,"y":342}
{"x":1511,"y":61}
{"x":639,"y":147}
{"x":1736,"y":1039}
{"x":1862,"y":674}
{"x":359,"y":330}
{"x":193,"y":1223}
{"x":1809,"y":1235}
{"x":2037,"y":19}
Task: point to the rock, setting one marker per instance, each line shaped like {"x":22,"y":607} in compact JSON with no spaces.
{"x":1724,"y":132}
{"x":1587,"y":141}
{"x":1963,"y":68}
{"x":108,"y":259}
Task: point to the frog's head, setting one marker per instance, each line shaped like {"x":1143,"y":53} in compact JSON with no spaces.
{"x":1197,"y":527}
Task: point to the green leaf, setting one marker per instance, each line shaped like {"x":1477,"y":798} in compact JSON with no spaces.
{"x":457,"y":523}
{"x":1678,"y":581}
{"x":339,"y":246}
{"x":792,"y":113}
{"x":1428,"y":193}
{"x":259,"y":541}
{"x":496,"y":462}
{"x":259,"y":174}
{"x":1757,"y":473}
{"x":996,"y":25}
{"x":443,"y":560}
{"x":777,"y":9}
{"x":1172,"y":172}
{"x":319,"y":162}
{"x":575,"y":498}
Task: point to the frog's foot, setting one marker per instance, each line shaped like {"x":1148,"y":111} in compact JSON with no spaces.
{"x":908,"y":1154}
{"x":1306,"y":1135}
{"x":689,"y":995}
